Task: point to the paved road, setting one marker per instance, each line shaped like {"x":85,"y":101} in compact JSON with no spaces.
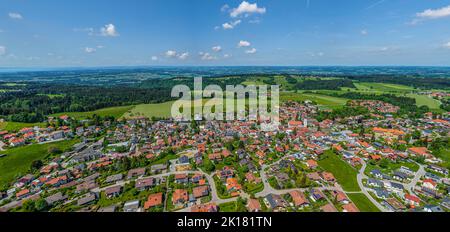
{"x":421,"y":172}
{"x":410,"y":186}
{"x":361,"y":175}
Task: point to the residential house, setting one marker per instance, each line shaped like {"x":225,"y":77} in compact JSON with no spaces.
{"x":253,"y":205}
{"x":316,"y":195}
{"x":412,"y":200}
{"x":55,"y":198}
{"x":153,"y":201}
{"x":180,"y":196}
{"x":114,"y":178}
{"x":328,"y":208}
{"x":138,"y":172}
{"x":87,"y":199}
{"x":131,"y":206}
{"x":113,"y":191}
{"x":350,"y":208}
{"x":181,"y":179}
{"x":299,"y":198}
{"x":275,"y":202}
{"x":145,"y":183}
{"x":200,"y":191}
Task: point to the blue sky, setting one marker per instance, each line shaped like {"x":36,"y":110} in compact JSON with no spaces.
{"x":54,"y":33}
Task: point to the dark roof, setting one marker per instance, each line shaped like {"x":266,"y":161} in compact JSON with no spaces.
{"x":87,"y":199}
{"x":55,"y":198}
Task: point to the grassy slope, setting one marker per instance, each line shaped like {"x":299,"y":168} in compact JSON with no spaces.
{"x":117,"y":112}
{"x":18,"y":160}
{"x":343,"y":172}
{"x":15,"y":126}
{"x":151,"y":110}
{"x":363,"y":204}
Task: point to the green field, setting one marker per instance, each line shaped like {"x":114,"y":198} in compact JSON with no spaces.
{"x":18,"y":160}
{"x":343,"y":172}
{"x":16,"y":126}
{"x":116,"y":112}
{"x":228,"y":207}
{"x":363,"y":204}
{"x":161,"y":110}
{"x":423,"y":100}
{"x":321,"y":100}
{"x":370,"y":87}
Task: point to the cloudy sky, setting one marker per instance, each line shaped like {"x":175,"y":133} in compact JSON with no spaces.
{"x":55,"y":33}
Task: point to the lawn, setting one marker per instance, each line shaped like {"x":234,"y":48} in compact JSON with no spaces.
{"x":321,"y":100}
{"x":18,"y":160}
{"x":16,"y":126}
{"x":228,"y":207}
{"x":445,"y":156}
{"x":363,"y":204}
{"x":343,"y":172}
{"x":116,"y":112}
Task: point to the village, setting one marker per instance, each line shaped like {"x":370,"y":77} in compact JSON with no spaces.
{"x":140,"y":165}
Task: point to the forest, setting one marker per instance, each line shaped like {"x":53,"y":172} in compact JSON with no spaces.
{"x":34,"y":102}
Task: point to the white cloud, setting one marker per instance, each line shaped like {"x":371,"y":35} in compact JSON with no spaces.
{"x":171,"y":53}
{"x":446,"y":45}
{"x":14,"y":15}
{"x":247,"y":8}
{"x":435,"y":13}
{"x":2,"y":50}
{"x":217,"y":48}
{"x":231,"y":25}
{"x":251,"y":51}
{"x":244,"y":43}
{"x":206,"y":56}
{"x":226,"y":56}
{"x":364,"y":32}
{"x":183,"y":56}
{"x":431,"y":14}
{"x":90,"y":50}
{"x":174,"y":54}
{"x":100,"y":46}
{"x":109,"y":30}
{"x":154,"y":58}
{"x":224,"y":8}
